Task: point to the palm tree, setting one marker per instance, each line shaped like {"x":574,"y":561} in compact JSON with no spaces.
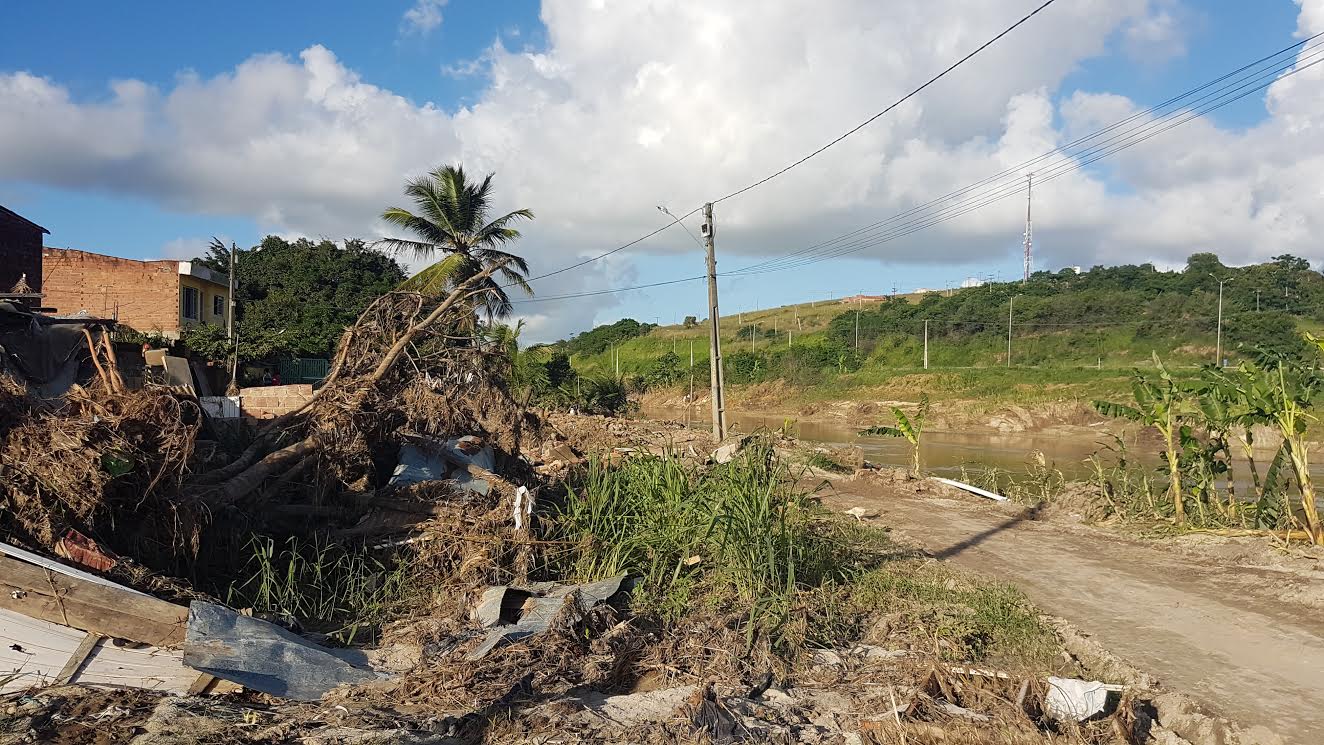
{"x":452,"y":220}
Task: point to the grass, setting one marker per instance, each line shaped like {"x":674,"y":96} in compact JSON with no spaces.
{"x":1049,"y":367}
{"x":824,"y":462}
{"x":744,"y":535}
{"x":965,"y":620}
{"x":338,"y":590}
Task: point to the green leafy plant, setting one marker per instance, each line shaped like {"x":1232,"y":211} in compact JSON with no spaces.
{"x":910,"y":427}
{"x":1159,"y":403}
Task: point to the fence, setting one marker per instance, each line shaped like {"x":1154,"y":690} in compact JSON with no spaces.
{"x":303,"y":370}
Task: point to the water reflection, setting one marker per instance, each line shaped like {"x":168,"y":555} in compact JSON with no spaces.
{"x":946,"y":453}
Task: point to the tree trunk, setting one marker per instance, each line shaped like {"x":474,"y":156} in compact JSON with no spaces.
{"x":1296,"y":449}
{"x":285,"y":458}
{"x":1174,"y":478}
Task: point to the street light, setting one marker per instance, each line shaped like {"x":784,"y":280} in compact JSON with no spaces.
{"x":1218,"y":348}
{"x":667,"y":212}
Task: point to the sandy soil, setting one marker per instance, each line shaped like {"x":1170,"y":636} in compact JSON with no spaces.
{"x":1213,"y":618}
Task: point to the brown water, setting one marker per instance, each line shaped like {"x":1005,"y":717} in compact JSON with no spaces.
{"x":947,"y":453}
{"x":943,"y":453}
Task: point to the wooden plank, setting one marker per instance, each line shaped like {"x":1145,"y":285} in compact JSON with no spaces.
{"x":76,"y":660}
{"x":107,"y":610}
{"x":200,"y":685}
{"x":32,"y":652}
{"x":55,"y":566}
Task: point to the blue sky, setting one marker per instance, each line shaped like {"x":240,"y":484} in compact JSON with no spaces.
{"x":156,"y":43}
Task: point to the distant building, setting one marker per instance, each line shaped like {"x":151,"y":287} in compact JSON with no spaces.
{"x":20,"y":255}
{"x":162,"y":296}
{"x":922,"y":291}
{"x":972,"y":282}
{"x":864,"y":299}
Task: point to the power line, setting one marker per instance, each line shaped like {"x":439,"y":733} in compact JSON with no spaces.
{"x":772,"y":176}
{"x":592,"y":293}
{"x":986,"y":198}
{"x":894,"y":104}
{"x":1276,"y":68}
{"x":862,"y":239}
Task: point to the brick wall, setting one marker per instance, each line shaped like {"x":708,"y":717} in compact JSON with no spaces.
{"x":270,"y":401}
{"x":146,"y":293}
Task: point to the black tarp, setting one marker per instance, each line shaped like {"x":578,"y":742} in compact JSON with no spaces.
{"x":45,"y":353}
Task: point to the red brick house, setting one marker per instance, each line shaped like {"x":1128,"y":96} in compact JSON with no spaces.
{"x":20,"y":251}
{"x":162,"y":296}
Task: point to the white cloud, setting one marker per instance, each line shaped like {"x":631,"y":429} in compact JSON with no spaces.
{"x":185,"y":248}
{"x":423,"y":17}
{"x":1158,"y":35}
{"x":677,"y":101}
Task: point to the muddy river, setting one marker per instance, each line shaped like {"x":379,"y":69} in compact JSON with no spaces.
{"x":946,"y":453}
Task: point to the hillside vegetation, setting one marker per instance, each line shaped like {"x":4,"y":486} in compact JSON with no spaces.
{"x":1073,"y":334}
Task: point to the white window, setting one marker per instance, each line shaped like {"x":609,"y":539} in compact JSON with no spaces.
{"x":189,"y":303}
{"x":217,"y":305}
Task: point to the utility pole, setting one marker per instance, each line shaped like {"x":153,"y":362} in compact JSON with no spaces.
{"x":714,"y":343}
{"x":753,"y":329}
{"x":1257,"y":301}
{"x":926,"y":343}
{"x":857,"y":327}
{"x":1029,"y":227}
{"x":233,"y":388}
{"x":1010,"y":309}
{"x":1219,"y":344}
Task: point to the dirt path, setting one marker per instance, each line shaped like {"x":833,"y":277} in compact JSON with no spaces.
{"x":1222,"y":634}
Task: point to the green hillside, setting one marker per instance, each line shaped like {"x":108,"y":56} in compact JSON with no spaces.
{"x":1081,"y":330}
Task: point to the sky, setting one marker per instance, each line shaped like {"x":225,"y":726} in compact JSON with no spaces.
{"x":144,"y":129}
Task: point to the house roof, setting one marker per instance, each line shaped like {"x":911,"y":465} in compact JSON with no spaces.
{"x":12,"y":215}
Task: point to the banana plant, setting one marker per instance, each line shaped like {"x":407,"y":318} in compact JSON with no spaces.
{"x":908,"y":426}
{"x":1288,"y":390}
{"x":1159,"y":403}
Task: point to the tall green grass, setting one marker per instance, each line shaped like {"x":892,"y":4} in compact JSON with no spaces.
{"x":741,"y":532}
{"x":340,"y":590}
{"x":745,"y":535}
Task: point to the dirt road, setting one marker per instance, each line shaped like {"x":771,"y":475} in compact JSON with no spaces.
{"x":1222,"y":634}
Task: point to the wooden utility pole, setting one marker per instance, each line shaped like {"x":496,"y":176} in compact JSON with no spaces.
{"x":714,"y":341}
{"x":233,"y":388}
{"x":1010,"y":309}
{"x":926,"y":343}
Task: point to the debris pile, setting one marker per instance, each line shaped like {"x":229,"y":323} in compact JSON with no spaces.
{"x":389,"y":563}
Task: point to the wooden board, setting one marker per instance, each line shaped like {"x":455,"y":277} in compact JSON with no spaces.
{"x":106,"y":609}
{"x":35,"y":652}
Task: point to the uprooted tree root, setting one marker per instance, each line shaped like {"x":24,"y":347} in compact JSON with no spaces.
{"x":103,"y":463}
{"x":120,"y":466}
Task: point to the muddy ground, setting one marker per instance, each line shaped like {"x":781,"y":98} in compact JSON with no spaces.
{"x":1234,"y":622}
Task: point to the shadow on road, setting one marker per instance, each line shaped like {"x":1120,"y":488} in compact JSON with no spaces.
{"x":1029,"y":513}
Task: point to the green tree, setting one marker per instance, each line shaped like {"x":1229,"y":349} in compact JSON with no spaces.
{"x":295,"y":298}
{"x":452,"y":219}
{"x":528,"y":367}
{"x":666,"y":370}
